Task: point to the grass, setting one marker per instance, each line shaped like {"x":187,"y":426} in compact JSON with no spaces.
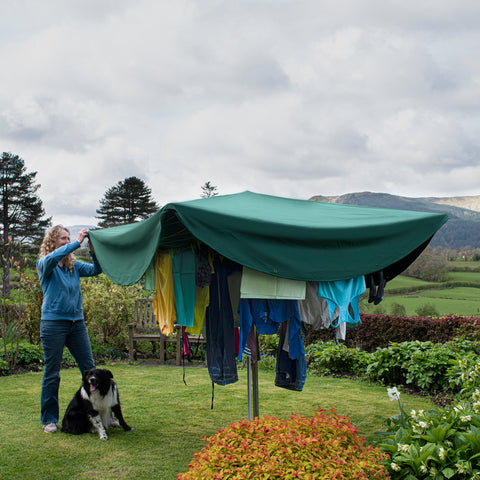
{"x":169,"y":417}
{"x":458,"y":295}
{"x":458,"y":301}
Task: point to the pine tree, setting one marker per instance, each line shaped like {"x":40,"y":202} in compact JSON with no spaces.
{"x":209,"y":190}
{"x":21,"y":211}
{"x":126,"y":202}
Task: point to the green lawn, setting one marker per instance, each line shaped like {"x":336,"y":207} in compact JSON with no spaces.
{"x":169,"y":417}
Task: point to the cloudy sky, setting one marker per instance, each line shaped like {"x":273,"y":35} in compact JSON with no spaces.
{"x":283,"y":97}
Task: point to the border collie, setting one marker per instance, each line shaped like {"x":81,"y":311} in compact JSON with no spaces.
{"x":90,"y":410}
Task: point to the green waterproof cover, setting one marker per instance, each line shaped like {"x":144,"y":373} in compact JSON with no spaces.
{"x":297,"y":239}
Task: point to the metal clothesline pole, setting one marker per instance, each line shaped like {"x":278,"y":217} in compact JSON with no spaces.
{"x":252,"y":383}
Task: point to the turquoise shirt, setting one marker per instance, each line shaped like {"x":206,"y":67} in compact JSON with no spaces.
{"x":62,"y":293}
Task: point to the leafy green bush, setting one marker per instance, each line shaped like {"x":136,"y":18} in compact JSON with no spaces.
{"x":4,"y":369}
{"x":327,"y":358}
{"x":427,"y":310}
{"x":28,"y":355}
{"x":268,"y":344}
{"x":324,"y":446}
{"x":108,"y":309}
{"x":397,"y":309}
{"x":427,"y":369}
{"x":440,"y":444}
{"x":389,"y":365}
{"x":267,"y":362}
{"x":33,"y":297}
{"x":464,"y":374}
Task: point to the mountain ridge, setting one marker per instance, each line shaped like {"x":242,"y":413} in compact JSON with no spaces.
{"x":461,"y":230}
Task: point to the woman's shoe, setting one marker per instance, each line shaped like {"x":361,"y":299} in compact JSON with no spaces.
{"x":50,"y":428}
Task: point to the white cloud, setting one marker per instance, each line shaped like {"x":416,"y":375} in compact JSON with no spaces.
{"x":281,"y":97}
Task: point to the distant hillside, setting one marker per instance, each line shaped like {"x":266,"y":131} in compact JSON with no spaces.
{"x":470,"y":203}
{"x":461,"y":230}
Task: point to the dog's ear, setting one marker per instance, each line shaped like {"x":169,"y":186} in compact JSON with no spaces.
{"x":109,"y":373}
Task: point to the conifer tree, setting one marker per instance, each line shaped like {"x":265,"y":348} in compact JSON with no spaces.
{"x":128,"y":201}
{"x":21,"y":211}
{"x":209,"y":190}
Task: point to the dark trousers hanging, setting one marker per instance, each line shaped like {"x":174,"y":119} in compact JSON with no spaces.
{"x":290,"y":374}
{"x":219,"y":325}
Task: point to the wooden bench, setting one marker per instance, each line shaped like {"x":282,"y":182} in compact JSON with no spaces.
{"x":145,"y":328}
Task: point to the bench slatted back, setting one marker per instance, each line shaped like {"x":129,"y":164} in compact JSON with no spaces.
{"x":145,"y":319}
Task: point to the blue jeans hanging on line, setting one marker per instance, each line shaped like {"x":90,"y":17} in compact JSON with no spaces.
{"x":290,"y":374}
{"x":220,"y":335}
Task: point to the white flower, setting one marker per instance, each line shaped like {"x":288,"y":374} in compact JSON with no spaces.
{"x":442,"y":454}
{"x":395,"y":467}
{"x":402,"y":447}
{"x":423,"y":468}
{"x":393,"y":394}
{"x":423,"y":425}
{"x":466,"y":418}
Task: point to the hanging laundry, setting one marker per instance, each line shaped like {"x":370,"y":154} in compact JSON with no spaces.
{"x":343,"y":294}
{"x":257,"y":284}
{"x":376,"y":284}
{"x":314,"y":311}
{"x":164,"y":301}
{"x":290,"y":373}
{"x":219,"y":328}
{"x":202,"y":299}
{"x":267,"y":315}
{"x":203,"y":278}
{"x":183,"y":267}
{"x":203,"y":268}
{"x":150,"y":276}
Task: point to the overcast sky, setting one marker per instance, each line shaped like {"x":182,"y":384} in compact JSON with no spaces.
{"x":283,"y":97}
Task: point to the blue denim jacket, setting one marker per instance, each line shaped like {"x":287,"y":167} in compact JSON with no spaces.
{"x":62,"y":293}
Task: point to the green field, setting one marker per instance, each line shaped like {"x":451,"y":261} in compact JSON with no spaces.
{"x":459,"y":294}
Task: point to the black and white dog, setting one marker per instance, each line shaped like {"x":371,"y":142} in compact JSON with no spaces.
{"x":90,"y":410}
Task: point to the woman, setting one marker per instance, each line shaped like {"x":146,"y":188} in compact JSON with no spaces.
{"x":62,"y":323}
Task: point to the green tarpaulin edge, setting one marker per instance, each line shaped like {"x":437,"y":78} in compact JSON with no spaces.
{"x":291,"y":238}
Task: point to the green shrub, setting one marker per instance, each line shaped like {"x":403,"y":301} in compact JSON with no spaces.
{"x":268,"y":344}
{"x":326,"y":446}
{"x":267,"y":362}
{"x":33,"y":297}
{"x":389,"y":365}
{"x":440,"y":444}
{"x":108,"y":309}
{"x":28,"y":355}
{"x":427,"y":310}
{"x":397,"y":309}
{"x":325,"y":358}
{"x":427,"y":369}
{"x":464,"y":374}
{"x":4,"y":369}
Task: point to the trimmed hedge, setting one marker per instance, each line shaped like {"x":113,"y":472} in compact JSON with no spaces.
{"x":379,"y":331}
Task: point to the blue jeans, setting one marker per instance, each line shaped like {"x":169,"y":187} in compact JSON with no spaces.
{"x":290,"y":374}
{"x":219,"y":326}
{"x":55,"y":335}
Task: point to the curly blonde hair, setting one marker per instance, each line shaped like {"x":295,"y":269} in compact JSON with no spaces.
{"x":49,"y":242}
